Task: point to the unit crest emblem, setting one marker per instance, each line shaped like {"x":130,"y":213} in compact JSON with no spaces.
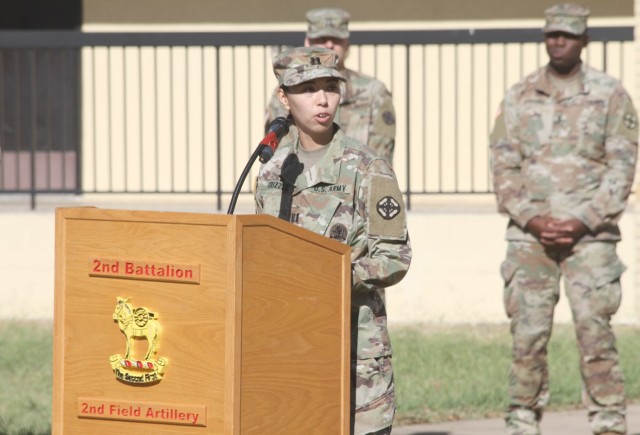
{"x":137,"y":323}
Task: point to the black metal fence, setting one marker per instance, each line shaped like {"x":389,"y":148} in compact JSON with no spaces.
{"x":182,"y":112}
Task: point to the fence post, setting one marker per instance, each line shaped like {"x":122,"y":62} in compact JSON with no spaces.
{"x":34,"y":126}
{"x":408,"y":123}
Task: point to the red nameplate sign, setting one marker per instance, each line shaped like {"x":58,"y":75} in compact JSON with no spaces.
{"x":144,"y":270}
{"x":169,"y":413}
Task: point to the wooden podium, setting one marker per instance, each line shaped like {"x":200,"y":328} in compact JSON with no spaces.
{"x":245,"y":320}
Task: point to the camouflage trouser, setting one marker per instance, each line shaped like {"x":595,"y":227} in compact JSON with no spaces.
{"x":592,"y":285}
{"x":374,"y":404}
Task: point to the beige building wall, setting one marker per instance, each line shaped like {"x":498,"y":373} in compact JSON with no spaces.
{"x":270,"y":12}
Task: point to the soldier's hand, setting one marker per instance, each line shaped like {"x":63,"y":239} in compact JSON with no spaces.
{"x":569,"y":231}
{"x":539,"y":226}
{"x":553,"y":233}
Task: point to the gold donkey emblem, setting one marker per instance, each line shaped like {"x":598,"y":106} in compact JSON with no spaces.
{"x":136,"y":323}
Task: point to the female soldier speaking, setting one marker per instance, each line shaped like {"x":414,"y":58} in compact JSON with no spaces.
{"x":332,"y":185}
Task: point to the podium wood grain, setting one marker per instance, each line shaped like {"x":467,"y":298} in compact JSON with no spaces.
{"x":262,"y":341}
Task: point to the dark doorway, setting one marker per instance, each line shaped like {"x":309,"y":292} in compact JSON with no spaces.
{"x":40,"y":100}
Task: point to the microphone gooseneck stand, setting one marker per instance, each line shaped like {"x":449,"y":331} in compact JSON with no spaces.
{"x":243,"y":176}
{"x":278,"y":128}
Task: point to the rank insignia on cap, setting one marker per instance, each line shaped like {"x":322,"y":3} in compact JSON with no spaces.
{"x":302,"y":64}
{"x":630,"y":121}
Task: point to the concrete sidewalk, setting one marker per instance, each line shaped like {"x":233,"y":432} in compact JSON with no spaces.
{"x":553,"y":423}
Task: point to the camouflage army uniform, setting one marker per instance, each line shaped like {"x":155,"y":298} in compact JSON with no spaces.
{"x":352,"y":195}
{"x":564,"y":154}
{"x":365,"y":113}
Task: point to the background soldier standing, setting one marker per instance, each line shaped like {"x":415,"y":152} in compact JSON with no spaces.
{"x":563,"y":154}
{"x":332,"y":185}
{"x":366,"y":110}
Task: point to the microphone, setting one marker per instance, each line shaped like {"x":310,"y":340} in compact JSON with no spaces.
{"x":291,"y":169}
{"x":278,"y":128}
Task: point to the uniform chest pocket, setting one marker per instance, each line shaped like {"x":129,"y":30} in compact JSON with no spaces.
{"x":269,"y":194}
{"x":318,"y":212}
{"x":591,"y":124}
{"x":534,"y":127}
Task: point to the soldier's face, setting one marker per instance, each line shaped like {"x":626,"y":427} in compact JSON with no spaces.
{"x":313,"y":104}
{"x":340,"y":46}
{"x":564,"y":51}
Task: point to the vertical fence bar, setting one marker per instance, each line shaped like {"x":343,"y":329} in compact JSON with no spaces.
{"x":125,"y":116}
{"x":17,"y":74}
{"x":407,"y":123}
{"x":472,"y":141}
{"x":171,"y":126}
{"x":488,"y":116}
{"x":109,"y":121}
{"x":425,"y":111}
{"x":440,"y":122}
{"x":141,"y":118}
{"x":46,"y":146}
{"x":34,"y":124}
{"x":249,"y":117}
{"x":234,"y":109}
{"x":64,"y":137}
{"x":77,"y":94}
{"x":156,"y":121}
{"x":218,"y":134}
{"x":620,"y":63}
{"x":203,"y":121}
{"x":94,"y":104}
{"x":456,"y":120}
{"x":186,"y":118}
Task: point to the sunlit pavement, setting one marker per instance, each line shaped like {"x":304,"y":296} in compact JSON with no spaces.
{"x":553,"y":423}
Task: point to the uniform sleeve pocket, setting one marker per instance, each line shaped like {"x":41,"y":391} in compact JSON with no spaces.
{"x":607,"y":296}
{"x":610,"y":273}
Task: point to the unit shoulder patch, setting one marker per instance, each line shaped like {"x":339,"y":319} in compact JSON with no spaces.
{"x":387,"y":216}
{"x":388,"y":207}
{"x":389,"y":118}
{"x":630,"y":120}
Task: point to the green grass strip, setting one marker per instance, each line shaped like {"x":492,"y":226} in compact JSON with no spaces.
{"x":442,"y":372}
{"x":459,"y":372}
{"x":26,"y":371}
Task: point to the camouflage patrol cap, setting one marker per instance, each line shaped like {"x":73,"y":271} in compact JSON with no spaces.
{"x":301,"y":64}
{"x":566,"y":17}
{"x":332,"y":22}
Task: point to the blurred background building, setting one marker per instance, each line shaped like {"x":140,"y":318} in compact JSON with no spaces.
{"x":158,"y":104}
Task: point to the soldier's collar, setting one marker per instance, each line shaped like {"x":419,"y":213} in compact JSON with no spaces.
{"x":544,"y":86}
{"x":327,"y":170}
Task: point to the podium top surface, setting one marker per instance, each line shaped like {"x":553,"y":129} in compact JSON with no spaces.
{"x":232,"y":221}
